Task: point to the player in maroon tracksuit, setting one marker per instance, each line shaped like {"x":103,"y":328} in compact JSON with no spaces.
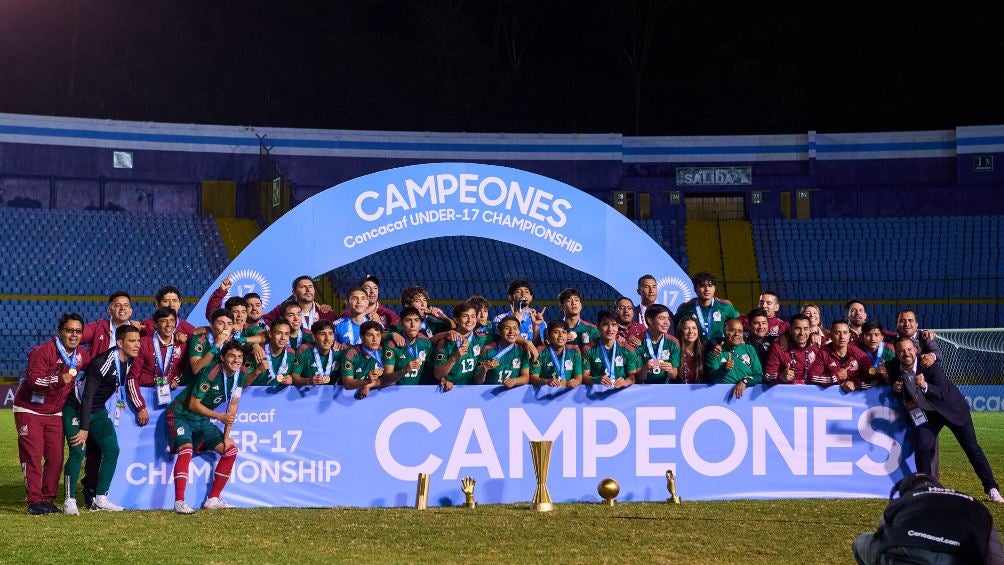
{"x":168,"y":297}
{"x":770,"y":303}
{"x":38,"y":411}
{"x":310,"y":311}
{"x":99,"y":335}
{"x":160,"y":354}
{"x":794,"y":359}
{"x":846,"y":365}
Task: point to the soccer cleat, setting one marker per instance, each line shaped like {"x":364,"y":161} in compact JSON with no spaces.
{"x":995,"y":495}
{"x":181,"y":507}
{"x":216,"y":503}
{"x":37,"y":508}
{"x":70,"y":507}
{"x":101,"y":502}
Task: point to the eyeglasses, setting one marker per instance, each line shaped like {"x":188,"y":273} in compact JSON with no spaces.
{"x":72,"y":331}
{"x":625,"y":308}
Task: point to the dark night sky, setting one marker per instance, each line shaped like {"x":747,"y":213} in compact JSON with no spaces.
{"x":709,"y":67}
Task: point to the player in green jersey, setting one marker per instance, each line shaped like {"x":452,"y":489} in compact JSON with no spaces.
{"x":505,"y":362}
{"x":190,"y":428}
{"x":407,"y":365}
{"x":580,"y":332}
{"x":606,"y":362}
{"x":711,"y":313}
{"x":560,"y":364}
{"x":456,"y":359}
{"x":363,"y":366}
{"x":659,"y":351}
{"x":281,"y":364}
{"x":320,"y":363}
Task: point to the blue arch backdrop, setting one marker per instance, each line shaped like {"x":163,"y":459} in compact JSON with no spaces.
{"x":381,"y":210}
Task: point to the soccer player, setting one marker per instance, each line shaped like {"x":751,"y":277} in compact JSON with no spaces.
{"x":303,"y":295}
{"x":648,"y":292}
{"x":520,"y":296}
{"x":580,"y":332}
{"x":99,"y":335}
{"x":878,"y":351}
{"x":375,"y":311}
{"x":38,"y":404}
{"x":161,"y":362}
{"x":923,"y":340}
{"x":189,"y":425}
{"x":932,"y":402}
{"x":691,"y":353}
{"x":711,"y":313}
{"x":320,"y":363}
{"x":85,"y":418}
{"x":504,"y":362}
{"x":560,"y":364}
{"x":434,"y":320}
{"x":738,"y":363}
{"x":169,"y":297}
{"x":348,"y":327}
{"x":407,"y":364}
{"x":363,"y":364}
{"x":455,"y":360}
{"x":631,"y":331}
{"x":659,"y":355}
{"x":795,"y":360}
{"x":857,"y":315}
{"x":298,"y":335}
{"x":203,"y":350}
{"x":605,"y":362}
{"x":817,"y":333}
{"x":282,"y":362}
{"x":770,"y":302}
{"x":485,"y":325}
{"x":846,"y":365}
{"x":255,"y":307}
{"x":758,"y":335}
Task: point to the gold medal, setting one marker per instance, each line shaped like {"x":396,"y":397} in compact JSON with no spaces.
{"x":494,"y":363}
{"x":378,"y":371}
{"x":326,"y":379}
{"x":72,"y":372}
{"x":872,"y":370}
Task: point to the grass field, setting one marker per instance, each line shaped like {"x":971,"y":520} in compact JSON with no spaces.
{"x":788,"y":531}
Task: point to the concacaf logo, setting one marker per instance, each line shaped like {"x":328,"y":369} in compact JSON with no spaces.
{"x":674,"y":291}
{"x":247,"y":281}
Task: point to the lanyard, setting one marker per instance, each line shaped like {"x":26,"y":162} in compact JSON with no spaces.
{"x":119,"y":385}
{"x":611,"y":369}
{"x":877,"y":356}
{"x":163,"y":363}
{"x":69,"y":358}
{"x":375,"y":356}
{"x":700,"y":316}
{"x":504,"y":351}
{"x":228,"y":392}
{"x":652,"y":352}
{"x":308,"y":318}
{"x":296,"y":342}
{"x":327,"y":367}
{"x":283,"y":365}
{"x":412,"y":348}
{"x":470,"y":340}
{"x":559,"y":365}
{"x":794,"y":362}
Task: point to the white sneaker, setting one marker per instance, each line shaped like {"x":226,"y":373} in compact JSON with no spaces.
{"x":101,"y":502}
{"x":181,"y":507}
{"x":216,"y":503}
{"x":70,"y":507}
{"x":995,"y":495}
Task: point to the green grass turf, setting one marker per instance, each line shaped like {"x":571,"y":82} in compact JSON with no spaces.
{"x":786,"y":531}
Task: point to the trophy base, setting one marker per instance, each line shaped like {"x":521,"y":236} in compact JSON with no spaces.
{"x":470,"y":504}
{"x":542,"y":506}
{"x":673,"y":500}
{"x":610,"y":502}
{"x":421,"y":506}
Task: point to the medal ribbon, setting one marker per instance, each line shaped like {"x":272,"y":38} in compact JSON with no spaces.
{"x":118,"y":378}
{"x":559,"y":365}
{"x":163,"y":364}
{"x":655,"y":353}
{"x":611,"y":369}
{"x":700,"y":316}
{"x":504,"y":351}
{"x":283,"y":365}
{"x":375,"y":356}
{"x":69,"y":358}
{"x":877,"y":356}
{"x":326,"y":367}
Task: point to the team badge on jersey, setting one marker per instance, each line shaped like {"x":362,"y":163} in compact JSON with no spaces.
{"x":348,"y":366}
{"x":585,"y":339}
{"x":23,"y":430}
{"x":572,"y":336}
{"x":746,"y":359}
{"x":181,"y":430}
{"x":536,"y":362}
{"x":440,"y":357}
{"x":389,"y":354}
{"x":717,"y":316}
{"x":569,"y":365}
{"x":853,"y":365}
{"x":811,"y":356}
{"x":199,"y":348}
{"x":477,"y":350}
{"x":421,"y":355}
{"x":664,"y":355}
{"x":204,"y":387}
{"x":618,"y":361}
{"x":75,"y":422}
{"x":515,"y":363}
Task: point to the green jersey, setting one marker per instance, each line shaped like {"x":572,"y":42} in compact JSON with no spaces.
{"x":313,"y":363}
{"x":357,"y":363}
{"x":396,"y":358}
{"x":597,"y":360}
{"x":462,"y":372}
{"x":285,"y":363}
{"x":212,"y":387}
{"x":512,"y":359}
{"x":298,"y":341}
{"x":666,"y":348}
{"x":710,"y":320}
{"x":745,"y":365}
{"x":250,"y":331}
{"x":564,"y":366}
{"x":583,"y":334}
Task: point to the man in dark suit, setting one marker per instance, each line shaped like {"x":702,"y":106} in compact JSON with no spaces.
{"x":933,"y":402}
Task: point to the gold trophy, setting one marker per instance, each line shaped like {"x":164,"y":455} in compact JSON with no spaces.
{"x":467,"y":487}
{"x":422,"y":494}
{"x":671,"y":486}
{"x":541,"y":452}
{"x":608,"y":490}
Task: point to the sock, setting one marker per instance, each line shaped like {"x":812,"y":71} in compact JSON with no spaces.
{"x":223,"y":468}
{"x":181,"y":472}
